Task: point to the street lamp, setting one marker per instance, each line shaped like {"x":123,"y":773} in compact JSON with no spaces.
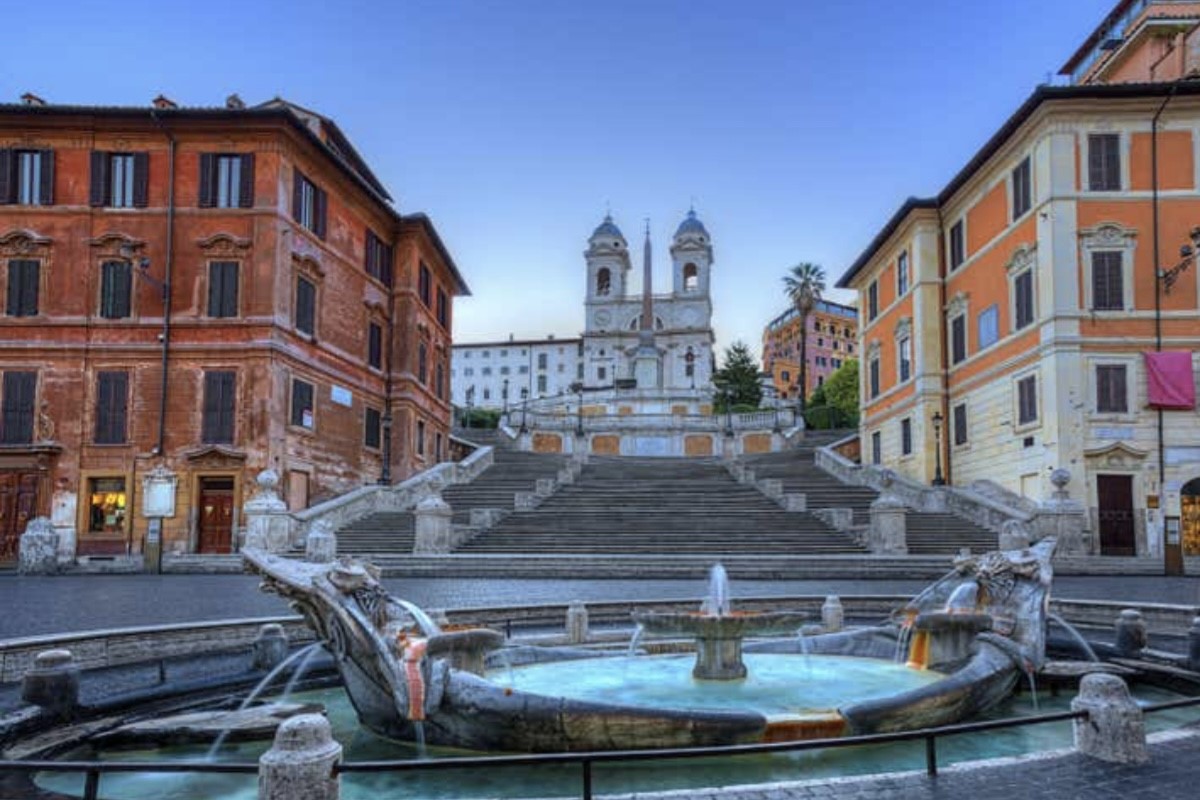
{"x":504,"y":396}
{"x":524,"y":406}
{"x":1187,"y":254}
{"x":577,"y":387}
{"x":470,"y":405}
{"x":938,"y":480}
{"x":727,"y":395}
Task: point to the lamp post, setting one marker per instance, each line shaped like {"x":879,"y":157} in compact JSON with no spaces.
{"x":504,"y":396}
{"x":577,"y":387}
{"x":690,"y":358}
{"x":938,"y":480}
{"x":470,"y":405}
{"x":727,"y":396}
{"x":524,"y":406}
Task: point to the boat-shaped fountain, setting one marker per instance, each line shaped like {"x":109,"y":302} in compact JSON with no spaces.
{"x":963,"y":644}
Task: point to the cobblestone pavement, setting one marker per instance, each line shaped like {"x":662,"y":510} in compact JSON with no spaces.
{"x":36,"y":605}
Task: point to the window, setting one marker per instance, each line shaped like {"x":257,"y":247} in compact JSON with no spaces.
{"x":443,"y":308}
{"x":423,"y":363}
{"x":1027,"y":411}
{"x":372,"y":429}
{"x":906,"y":436}
{"x":505,"y":370}
{"x":226,"y":180}
{"x":504,"y":354}
{"x":820,"y":341}
{"x":541,"y":384}
{"x":957,"y":249}
{"x":116,"y":288}
{"x":425,"y":286}
{"x":420,"y":437}
{"x":487,"y":393}
{"x":873,"y":300}
{"x":439,"y":379}
{"x":561,"y":368}
{"x":120,"y":180}
{"x":902,"y":273}
{"x":16,"y":414}
{"x":541,"y":360}
{"x":306,"y":306}
{"x":579,"y":372}
{"x":1023,"y":299}
{"x":308,"y":203}
{"x":1108,"y":291}
{"x":958,"y":339}
{"x":378,"y":259}
{"x":960,"y":423}
{"x":219,"y":401}
{"x":374,"y":345}
{"x":112,"y":399}
{"x":27,"y":177}
{"x":223,"y":289}
{"x":24,"y":278}
{"x":487,"y":371}
{"x":601,"y":374}
{"x":302,"y":404}
{"x":1104,"y":162}
{"x":874,"y":383}
{"x":437,"y":446}
{"x":1111,"y":395}
{"x":603,"y":281}
{"x":837,"y":345}
{"x":691,"y":278}
{"x":876,"y":448}
{"x":1022,"y":189}
{"x":988,"y":325}
{"x":903,"y":347}
{"x":523,"y":369}
{"x":107,"y":505}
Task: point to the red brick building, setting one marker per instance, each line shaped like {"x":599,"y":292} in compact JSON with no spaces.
{"x":213,"y":291}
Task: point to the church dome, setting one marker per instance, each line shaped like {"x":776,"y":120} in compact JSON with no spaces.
{"x":691,"y":225}
{"x":607,"y":230}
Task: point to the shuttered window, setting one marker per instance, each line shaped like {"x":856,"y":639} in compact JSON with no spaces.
{"x":1104,"y":162}
{"x":1111,"y":395}
{"x":1108,"y":281}
{"x":422,"y":363}
{"x":420,"y":437}
{"x":425,"y":286}
{"x":906,"y":436}
{"x":219,"y":406}
{"x":876,"y":448}
{"x":26,"y":177}
{"x":958,"y":339}
{"x":372,"y":429}
{"x":120,"y":180}
{"x":1022,"y":189}
{"x":904,"y":346}
{"x":226,"y":180}
{"x":378,"y":262}
{"x":873,"y":300}
{"x":116,"y":285}
{"x":306,"y":306}
{"x":958,"y":251}
{"x":874,"y":378}
{"x":960,"y":424}
{"x":24,"y":278}
{"x":302,"y":404}
{"x":1023,"y":297}
{"x":902,"y":273}
{"x":308,"y":203}
{"x":112,"y":399}
{"x":223,"y":289}
{"x":16,"y":415}
{"x":1027,"y":410}
{"x":374,"y":345}
{"x":443,"y":308}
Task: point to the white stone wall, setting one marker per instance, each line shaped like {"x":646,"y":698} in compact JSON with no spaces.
{"x":517,"y":361}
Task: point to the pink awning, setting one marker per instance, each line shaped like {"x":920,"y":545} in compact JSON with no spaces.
{"x":1169,"y":380}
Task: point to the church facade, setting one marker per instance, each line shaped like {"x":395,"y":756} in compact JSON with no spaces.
{"x":662,"y":342}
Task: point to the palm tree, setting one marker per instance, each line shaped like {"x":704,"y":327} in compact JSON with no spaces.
{"x":804,"y":284}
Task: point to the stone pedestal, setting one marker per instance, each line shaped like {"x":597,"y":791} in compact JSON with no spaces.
{"x":832,"y":614}
{"x":1113,"y":729}
{"x":320,"y":547}
{"x":270,"y":648}
{"x":1131,"y":635}
{"x":268,"y":521}
{"x":433,"y":528}
{"x":577,"y":623}
{"x":1063,"y":518}
{"x":719,"y":659}
{"x":888,"y":534}
{"x":299,"y":765}
{"x":38,"y":548}
{"x":1194,"y":646}
{"x":52,"y":683}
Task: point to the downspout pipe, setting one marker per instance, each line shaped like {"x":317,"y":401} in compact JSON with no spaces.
{"x":385,"y":474}
{"x":168,"y":265}
{"x":1157,"y":269}
{"x":944,"y":400}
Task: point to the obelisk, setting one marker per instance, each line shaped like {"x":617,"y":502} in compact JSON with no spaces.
{"x":647,"y":368}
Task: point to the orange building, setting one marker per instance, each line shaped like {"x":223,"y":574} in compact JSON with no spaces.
{"x":832,"y":339}
{"x":1011,"y":324}
{"x":204,"y":293}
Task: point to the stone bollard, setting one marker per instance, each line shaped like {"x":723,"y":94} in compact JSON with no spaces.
{"x":321,"y":545}
{"x":432,"y":525}
{"x":52,"y":683}
{"x":299,"y":765}
{"x":1131,"y":632}
{"x":577,"y":623}
{"x":795,"y":501}
{"x":38,"y":554}
{"x":832,"y":615}
{"x":268,"y":521}
{"x":1194,"y":646}
{"x":888,"y":526}
{"x":270,"y":648}
{"x":1113,"y":729}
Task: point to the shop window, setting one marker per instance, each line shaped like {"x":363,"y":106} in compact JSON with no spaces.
{"x":106,"y":505}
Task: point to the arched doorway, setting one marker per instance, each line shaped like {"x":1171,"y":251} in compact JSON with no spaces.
{"x":1189,"y":513}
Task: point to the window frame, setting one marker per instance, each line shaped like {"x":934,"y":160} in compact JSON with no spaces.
{"x":212,"y":419}
{"x":955,"y":357}
{"x":982,"y":342}
{"x":310,"y":204}
{"x":18,"y":426}
{"x":1100,"y":176}
{"x":902,"y":276}
{"x":1128,"y":368}
{"x":18,"y":293}
{"x":906,"y":437}
{"x":374,"y":345}
{"x":296,"y":409}
{"x":956,"y":246}
{"x":876,"y":448}
{"x":1021,"y":183}
{"x":372,"y":428}
{"x":297,"y":309}
{"x":425,"y":285}
{"x":957,"y":411}
{"x":1021,"y":381}
{"x":872,"y":300}
{"x":218,"y":288}
{"x":111,"y":424}
{"x":110,"y":271}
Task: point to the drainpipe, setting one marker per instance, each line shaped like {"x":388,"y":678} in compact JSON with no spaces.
{"x":166,"y":287}
{"x":385,"y":474}
{"x":1157,"y":276}
{"x":944,"y":401}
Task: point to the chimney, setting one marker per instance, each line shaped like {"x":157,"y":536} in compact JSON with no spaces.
{"x":233,"y":101}
{"x":162,"y":101}
{"x":31,"y":99}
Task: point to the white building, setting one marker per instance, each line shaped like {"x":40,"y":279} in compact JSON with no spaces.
{"x":484,"y":374}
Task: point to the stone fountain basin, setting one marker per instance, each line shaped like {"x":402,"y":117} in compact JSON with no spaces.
{"x":953,"y":620}
{"x":246,"y":724}
{"x":733,"y":625}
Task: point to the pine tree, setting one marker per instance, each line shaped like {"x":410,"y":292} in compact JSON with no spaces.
{"x":737,"y":379}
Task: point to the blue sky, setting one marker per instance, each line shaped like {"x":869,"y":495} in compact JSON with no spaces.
{"x":797,"y":128}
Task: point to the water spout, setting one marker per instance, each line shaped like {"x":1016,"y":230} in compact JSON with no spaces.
{"x":716,"y":604}
{"x":424,"y":621}
{"x":964,"y":598}
{"x":1074,"y":633}
{"x":636,"y":639}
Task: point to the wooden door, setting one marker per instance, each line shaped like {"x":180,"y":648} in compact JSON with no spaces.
{"x":1116,"y":515}
{"x":18,"y":505}
{"x":216,"y":515}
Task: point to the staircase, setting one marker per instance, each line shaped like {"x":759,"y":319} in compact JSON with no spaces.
{"x":927,"y":533}
{"x":511,"y":472}
{"x":484,"y":437}
{"x":655,"y":506}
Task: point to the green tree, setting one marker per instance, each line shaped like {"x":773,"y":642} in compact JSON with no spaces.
{"x":804,"y":284}
{"x":737,"y":379}
{"x":839,"y":394}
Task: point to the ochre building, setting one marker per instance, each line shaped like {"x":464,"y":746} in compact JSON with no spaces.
{"x":205,"y":293}
{"x":832,"y":340}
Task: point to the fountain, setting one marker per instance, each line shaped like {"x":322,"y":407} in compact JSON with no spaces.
{"x":965,"y":642}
